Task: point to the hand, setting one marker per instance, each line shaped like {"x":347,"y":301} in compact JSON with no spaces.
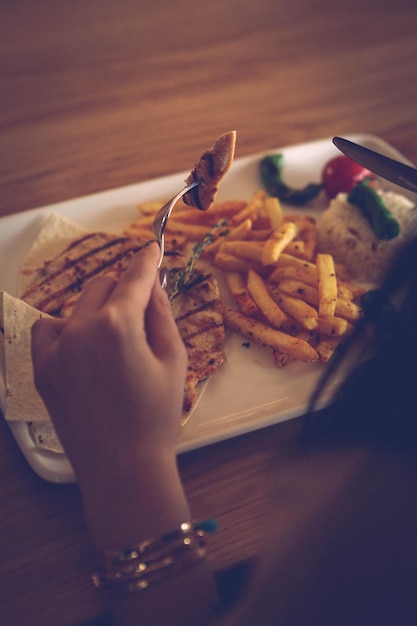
{"x":112,"y":376}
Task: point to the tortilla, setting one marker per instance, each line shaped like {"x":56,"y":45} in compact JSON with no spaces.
{"x":56,"y":234}
{"x":19,"y":398}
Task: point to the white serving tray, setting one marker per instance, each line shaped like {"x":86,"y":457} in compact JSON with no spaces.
{"x":249,"y":392}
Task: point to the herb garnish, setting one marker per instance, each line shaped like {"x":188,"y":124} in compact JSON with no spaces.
{"x":181,"y":277}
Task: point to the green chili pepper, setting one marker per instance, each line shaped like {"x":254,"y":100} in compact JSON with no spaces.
{"x":382,"y":222}
{"x":271,"y":168}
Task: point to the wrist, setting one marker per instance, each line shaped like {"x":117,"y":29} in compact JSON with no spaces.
{"x":138,"y":500}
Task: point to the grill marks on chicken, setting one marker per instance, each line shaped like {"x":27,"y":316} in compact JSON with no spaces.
{"x":197,"y":309}
{"x":198,"y":312}
{"x":64,"y":276}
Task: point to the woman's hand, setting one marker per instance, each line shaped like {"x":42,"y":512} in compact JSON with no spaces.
{"x":112,"y":378}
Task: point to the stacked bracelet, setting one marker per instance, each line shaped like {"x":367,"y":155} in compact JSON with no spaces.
{"x":140,"y":566}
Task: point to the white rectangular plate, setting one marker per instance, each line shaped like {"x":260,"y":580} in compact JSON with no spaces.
{"x":249,"y":392}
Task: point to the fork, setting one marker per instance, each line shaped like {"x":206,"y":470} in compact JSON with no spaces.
{"x":162,"y":216}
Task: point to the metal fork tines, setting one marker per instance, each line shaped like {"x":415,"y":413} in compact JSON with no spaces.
{"x":162,"y":216}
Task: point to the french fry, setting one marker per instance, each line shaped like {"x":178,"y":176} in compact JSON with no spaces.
{"x":194,"y":232}
{"x":261,"y":296}
{"x":249,"y":250}
{"x":327,"y":285}
{"x":225,"y":209}
{"x":172,"y":241}
{"x":343,"y":292}
{"x":302,"y":312}
{"x":302,"y":221}
{"x":299,"y":289}
{"x":287,"y":272}
{"x":259,"y":234}
{"x":332,"y":326}
{"x":273,"y":212}
{"x":277,"y":242}
{"x":190,"y":216}
{"x":240,"y":293}
{"x":289,"y":266}
{"x":252,"y":208}
{"x":281,"y":359}
{"x":244,"y":214}
{"x":294,"y":261}
{"x":326,"y":347}
{"x":346,"y":309}
{"x":234,"y":234}
{"x":231,"y":263}
{"x":292,"y":327}
{"x":355,"y":290}
{"x":270,"y":337}
{"x":295,"y":248}
{"x":308,"y":235}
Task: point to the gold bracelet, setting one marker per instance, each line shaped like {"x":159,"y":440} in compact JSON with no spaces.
{"x":151,"y":560}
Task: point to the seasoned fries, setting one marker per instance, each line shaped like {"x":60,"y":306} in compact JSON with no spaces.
{"x":287,"y":296}
{"x":240,"y":293}
{"x":274,"y":212}
{"x":234,"y":234}
{"x":327,"y":285}
{"x":260,"y":294}
{"x":231,"y":263}
{"x":266,"y":336}
{"x":304,"y":270}
{"x":298,"y":309}
{"x":277,"y":242}
{"x":249,"y":250}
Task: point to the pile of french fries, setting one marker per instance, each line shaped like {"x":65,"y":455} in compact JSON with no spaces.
{"x":298,"y":303}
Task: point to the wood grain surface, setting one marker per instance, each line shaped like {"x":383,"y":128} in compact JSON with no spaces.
{"x":104,"y":93}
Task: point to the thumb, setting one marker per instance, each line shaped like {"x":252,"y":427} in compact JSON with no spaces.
{"x":161,"y":329}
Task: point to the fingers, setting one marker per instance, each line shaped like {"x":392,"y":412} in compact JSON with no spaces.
{"x":136,"y":283}
{"x":46,"y":330}
{"x":138,"y":299}
{"x":95,"y":294}
{"x":45,"y":333}
{"x":143,"y":269}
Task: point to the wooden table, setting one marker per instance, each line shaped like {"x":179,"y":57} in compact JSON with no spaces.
{"x":101,"y":94}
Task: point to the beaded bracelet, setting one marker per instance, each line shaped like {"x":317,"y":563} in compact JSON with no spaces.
{"x":151,"y":560}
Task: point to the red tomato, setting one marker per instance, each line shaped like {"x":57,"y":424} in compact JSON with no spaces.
{"x":341,"y":174}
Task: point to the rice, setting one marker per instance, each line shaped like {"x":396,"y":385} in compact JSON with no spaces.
{"x":345,"y":233}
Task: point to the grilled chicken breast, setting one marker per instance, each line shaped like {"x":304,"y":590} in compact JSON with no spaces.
{"x":64,"y":276}
{"x":197,"y":309}
{"x":198,"y":312}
